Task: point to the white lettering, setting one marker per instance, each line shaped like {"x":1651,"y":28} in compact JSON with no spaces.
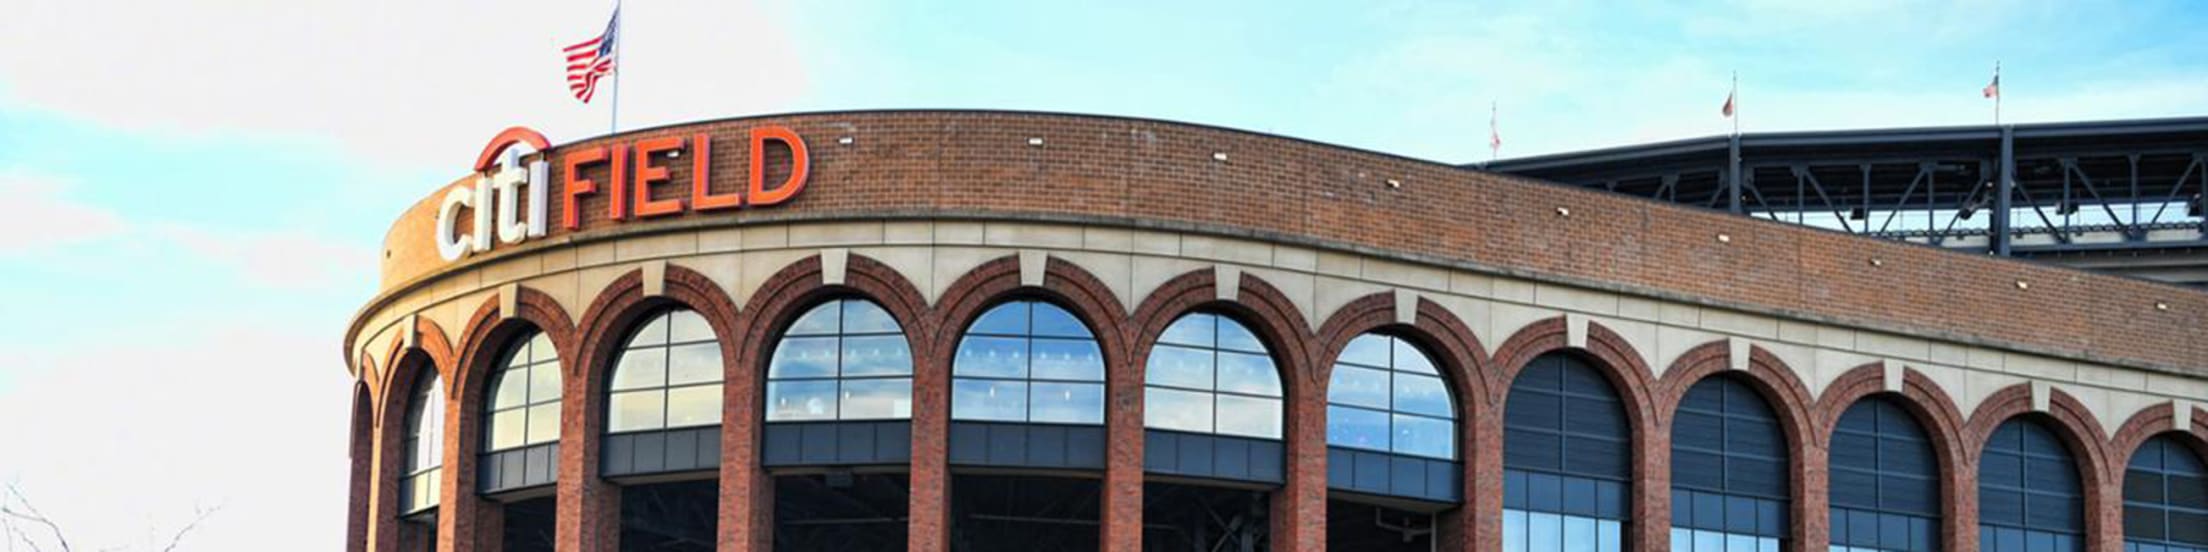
{"x":449,"y":245}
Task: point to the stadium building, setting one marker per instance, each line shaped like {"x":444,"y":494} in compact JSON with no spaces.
{"x":973,"y":330}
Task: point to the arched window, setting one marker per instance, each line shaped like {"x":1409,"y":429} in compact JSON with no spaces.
{"x":1884,"y":481}
{"x":2028,"y":497}
{"x":2165,"y":498}
{"x":525,"y":396}
{"x":1028,"y":361}
{"x":425,"y":445}
{"x":1386,"y":395}
{"x":1209,"y":374}
{"x":668,"y":376}
{"x":845,"y":359}
{"x":1728,"y":470}
{"x":1566,"y":463}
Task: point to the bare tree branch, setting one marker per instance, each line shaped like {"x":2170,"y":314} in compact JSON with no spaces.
{"x":198,"y":515}
{"x":31,"y":514}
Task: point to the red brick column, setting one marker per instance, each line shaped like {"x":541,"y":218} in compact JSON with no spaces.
{"x":360,"y":452}
{"x":471,"y":523}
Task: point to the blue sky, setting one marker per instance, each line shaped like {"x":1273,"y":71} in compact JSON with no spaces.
{"x":225,"y":170}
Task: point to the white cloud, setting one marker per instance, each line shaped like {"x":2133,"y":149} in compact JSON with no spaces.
{"x":419,"y":82}
{"x":40,"y":217}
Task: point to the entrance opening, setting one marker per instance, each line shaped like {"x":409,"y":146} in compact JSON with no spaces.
{"x":840,"y":510}
{"x":1372,"y":527}
{"x":529,"y":525}
{"x":670,"y":517}
{"x":1020,"y":513}
{"x":1182,"y":518}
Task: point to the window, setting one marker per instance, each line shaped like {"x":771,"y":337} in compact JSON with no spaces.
{"x":1385,"y":395}
{"x":1884,"y":481}
{"x":525,"y":396}
{"x":2028,"y":497}
{"x":668,"y":376}
{"x":2165,"y":499}
{"x":845,"y":359}
{"x":1728,"y":470}
{"x":1028,"y":361}
{"x":1209,"y":374}
{"x":425,"y":444}
{"x":1565,"y":459}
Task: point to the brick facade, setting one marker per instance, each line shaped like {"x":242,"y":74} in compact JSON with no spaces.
{"x":1146,"y":174}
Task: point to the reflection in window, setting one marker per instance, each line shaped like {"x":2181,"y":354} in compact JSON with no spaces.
{"x":1028,"y":361}
{"x":1728,"y":469}
{"x":1884,"y":481}
{"x":1209,"y":374}
{"x":2165,"y":499}
{"x":669,"y":376}
{"x":525,"y":395}
{"x":845,"y":359}
{"x":425,"y":444}
{"x":2028,"y":497}
{"x":1565,"y":459}
{"x":1385,"y":395}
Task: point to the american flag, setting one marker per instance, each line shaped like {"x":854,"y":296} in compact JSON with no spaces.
{"x":589,"y":60}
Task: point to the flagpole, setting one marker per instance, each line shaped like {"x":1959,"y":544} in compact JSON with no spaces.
{"x":1997,"y":93}
{"x":614,"y":124}
{"x":1735,"y":95}
{"x":1494,"y":135}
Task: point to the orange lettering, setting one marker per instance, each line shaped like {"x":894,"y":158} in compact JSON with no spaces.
{"x":702,"y":197}
{"x":617,"y":189}
{"x":799,"y":165}
{"x":571,"y":217}
{"x":647,"y":174}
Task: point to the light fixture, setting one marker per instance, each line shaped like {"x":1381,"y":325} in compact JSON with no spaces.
{"x":2161,"y":306}
{"x":1036,"y":142}
{"x":1724,"y":238}
{"x":1563,"y":211}
{"x":845,"y":140}
{"x":1219,"y":156}
{"x":2020,"y":284}
{"x":1875,"y":261}
{"x":1393,"y":183}
{"x":2196,"y":207}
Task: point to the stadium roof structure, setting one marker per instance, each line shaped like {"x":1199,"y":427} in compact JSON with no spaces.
{"x":2116,"y":196}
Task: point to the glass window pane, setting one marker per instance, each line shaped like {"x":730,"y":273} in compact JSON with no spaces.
{"x":653,"y":332}
{"x":803,"y":357}
{"x":640,"y":368}
{"x":1369,"y":350}
{"x":1545,"y":532}
{"x":877,"y":399}
{"x":1425,"y":437}
{"x":1063,"y":359}
{"x":544,"y":423}
{"x":1052,"y":321}
{"x":862,"y":316}
{"x":801,"y":400}
{"x":1364,"y":387}
{"x":1422,"y":395}
{"x":1249,"y":416}
{"x":876,"y":356}
{"x":980,"y":399}
{"x":688,"y":326}
{"x":635,"y":410}
{"x":1006,"y":319}
{"x":1248,"y":373}
{"x":1356,"y":428}
{"x":541,"y":349}
{"x":694,"y":406}
{"x":1195,"y":330}
{"x":1233,"y":336}
{"x":1179,"y":367}
{"x":511,"y":389}
{"x":1067,"y":403}
{"x":1176,"y":410}
{"x":1612,"y":536}
{"x":995,"y":357}
{"x":822,"y":320}
{"x":1579,"y":534}
{"x":508,"y":429}
{"x":544,"y":382}
{"x":1409,"y":359}
{"x":693,"y":363}
{"x":1514,"y":531}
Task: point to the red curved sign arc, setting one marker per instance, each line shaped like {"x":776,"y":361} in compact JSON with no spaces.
{"x":507,"y":138}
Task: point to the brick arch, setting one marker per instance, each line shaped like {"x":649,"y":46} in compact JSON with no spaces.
{"x":361,"y":456}
{"x":1456,"y":351}
{"x":1634,"y":383}
{"x":1064,"y":284}
{"x":431,"y":355}
{"x":2080,"y":432}
{"x":602,"y":332}
{"x":1277,"y":322}
{"x":430,"y":341}
{"x":1787,"y":397}
{"x":473,"y":523}
{"x":2149,"y":423}
{"x":1942,"y":423}
{"x":745,"y":488}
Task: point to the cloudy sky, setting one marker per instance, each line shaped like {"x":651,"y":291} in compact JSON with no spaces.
{"x":191,"y":193}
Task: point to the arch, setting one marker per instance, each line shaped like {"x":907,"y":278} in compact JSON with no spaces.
{"x":1452,"y":345}
{"x":2153,"y":422}
{"x":602,"y":331}
{"x":1935,"y":413}
{"x":1789,"y":400}
{"x":781,"y":298}
{"x":361,"y":454}
{"x":1630,"y":378}
{"x":1064,"y":284}
{"x":409,"y":367}
{"x":488,"y":331}
{"x":2079,"y":431}
{"x":1276,"y":321}
{"x":2143,"y":429}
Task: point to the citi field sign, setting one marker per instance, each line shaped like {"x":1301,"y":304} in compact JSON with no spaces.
{"x":511,"y":198}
